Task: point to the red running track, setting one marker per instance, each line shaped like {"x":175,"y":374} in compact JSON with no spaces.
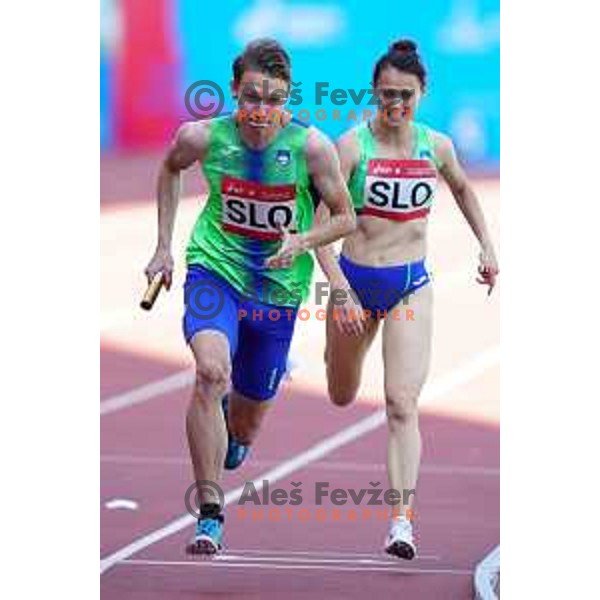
{"x":144,"y":458}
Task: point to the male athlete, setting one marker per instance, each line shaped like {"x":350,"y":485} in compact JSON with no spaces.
{"x":248,"y":255}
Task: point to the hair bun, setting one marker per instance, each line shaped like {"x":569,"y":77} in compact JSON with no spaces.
{"x":404,"y":46}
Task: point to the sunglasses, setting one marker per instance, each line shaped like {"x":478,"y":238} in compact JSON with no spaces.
{"x":393,"y":94}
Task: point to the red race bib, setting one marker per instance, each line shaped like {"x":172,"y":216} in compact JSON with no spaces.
{"x":256,"y":210}
{"x":401,"y":190}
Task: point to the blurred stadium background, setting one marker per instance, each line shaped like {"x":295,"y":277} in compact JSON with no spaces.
{"x":152,"y":50}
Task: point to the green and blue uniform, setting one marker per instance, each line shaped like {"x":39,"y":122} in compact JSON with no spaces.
{"x":251,"y":195}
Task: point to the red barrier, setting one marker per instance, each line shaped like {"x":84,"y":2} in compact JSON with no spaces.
{"x":147,"y":69}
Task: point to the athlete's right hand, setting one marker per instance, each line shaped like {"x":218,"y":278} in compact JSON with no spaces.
{"x":161,"y":262}
{"x":348,"y":315}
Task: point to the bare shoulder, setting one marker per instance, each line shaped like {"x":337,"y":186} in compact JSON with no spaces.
{"x":443,"y":145}
{"x":193,"y":135}
{"x":189,"y":145}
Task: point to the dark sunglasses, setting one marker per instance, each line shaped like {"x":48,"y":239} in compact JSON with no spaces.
{"x":393,"y":94}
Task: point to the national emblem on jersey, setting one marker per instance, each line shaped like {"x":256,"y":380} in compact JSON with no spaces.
{"x":283,"y":158}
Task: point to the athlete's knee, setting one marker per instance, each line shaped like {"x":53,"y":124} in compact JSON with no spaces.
{"x":212,"y":377}
{"x":401,"y":405}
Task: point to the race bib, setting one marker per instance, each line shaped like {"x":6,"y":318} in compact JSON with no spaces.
{"x":256,"y":210}
{"x":401,"y":190}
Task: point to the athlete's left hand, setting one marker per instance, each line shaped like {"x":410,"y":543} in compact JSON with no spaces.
{"x":488,"y":269}
{"x":292,"y":245}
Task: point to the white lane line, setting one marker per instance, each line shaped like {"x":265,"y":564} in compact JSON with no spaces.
{"x":323,"y":465}
{"x":313,"y":553}
{"x":486,"y":576}
{"x":186,"y":377}
{"x":172,"y":305}
{"x":148,"y":391}
{"x":390,"y":567}
{"x":457,"y":377}
{"x":240,"y":558}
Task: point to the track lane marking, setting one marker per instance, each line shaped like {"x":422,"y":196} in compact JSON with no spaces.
{"x":458,"y":376}
{"x":185,"y":377}
{"x":212,"y":563}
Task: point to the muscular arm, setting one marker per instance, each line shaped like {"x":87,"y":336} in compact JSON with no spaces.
{"x":324,"y":169}
{"x":348,"y":157}
{"x":466,"y":200}
{"x":188,"y":146}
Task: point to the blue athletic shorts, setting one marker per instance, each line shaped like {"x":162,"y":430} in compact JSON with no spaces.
{"x":259,"y":334}
{"x":381,"y":288}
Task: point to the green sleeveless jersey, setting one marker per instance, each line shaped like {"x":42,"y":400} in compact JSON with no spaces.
{"x":252,"y":193}
{"x":400,"y":190}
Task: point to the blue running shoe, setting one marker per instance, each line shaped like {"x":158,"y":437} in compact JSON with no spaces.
{"x":209,"y":536}
{"x":236,"y":452}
